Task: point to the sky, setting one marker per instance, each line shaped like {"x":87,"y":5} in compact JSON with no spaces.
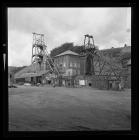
{"x":110,"y":27}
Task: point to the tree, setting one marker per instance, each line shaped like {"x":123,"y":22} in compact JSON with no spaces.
{"x":64,"y":47}
{"x":105,"y":65}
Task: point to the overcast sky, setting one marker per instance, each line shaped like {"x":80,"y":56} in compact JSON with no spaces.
{"x":111,"y":27}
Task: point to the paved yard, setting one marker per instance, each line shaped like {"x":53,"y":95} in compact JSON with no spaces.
{"x":68,"y":109}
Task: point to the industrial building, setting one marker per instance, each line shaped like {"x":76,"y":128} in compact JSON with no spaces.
{"x":70,"y":69}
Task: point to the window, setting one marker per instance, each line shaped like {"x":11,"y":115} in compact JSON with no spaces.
{"x":75,"y":65}
{"x":70,"y":64}
{"x":64,"y":64}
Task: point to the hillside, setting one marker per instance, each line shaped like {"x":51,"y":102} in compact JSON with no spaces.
{"x":113,"y":56}
{"x":112,"y":52}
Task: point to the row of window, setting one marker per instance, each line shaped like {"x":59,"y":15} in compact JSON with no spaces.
{"x":75,"y":73}
{"x":76,"y":65}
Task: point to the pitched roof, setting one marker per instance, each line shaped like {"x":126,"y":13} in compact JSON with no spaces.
{"x":24,"y":75}
{"x":68,"y":52}
{"x":29,"y":71}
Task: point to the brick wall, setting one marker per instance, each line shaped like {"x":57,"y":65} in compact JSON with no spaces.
{"x":70,"y":62}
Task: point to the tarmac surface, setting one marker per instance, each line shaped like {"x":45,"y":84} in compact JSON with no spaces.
{"x":68,"y":109}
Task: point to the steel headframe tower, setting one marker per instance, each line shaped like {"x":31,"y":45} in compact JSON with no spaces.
{"x":38,"y":49}
{"x":89,"y":45}
{"x":40,"y":54}
{"x":89,"y":51}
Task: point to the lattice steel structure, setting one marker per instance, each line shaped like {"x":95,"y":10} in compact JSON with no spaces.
{"x":89,"y":52}
{"x":40,"y":55}
{"x":38,"y":48}
{"x":94,"y":58}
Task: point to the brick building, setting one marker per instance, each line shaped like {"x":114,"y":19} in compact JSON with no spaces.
{"x":70,"y":65}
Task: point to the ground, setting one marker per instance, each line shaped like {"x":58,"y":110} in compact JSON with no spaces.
{"x":68,"y":109}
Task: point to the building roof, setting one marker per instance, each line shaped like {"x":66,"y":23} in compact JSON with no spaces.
{"x":68,"y":52}
{"x":25,"y":75}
